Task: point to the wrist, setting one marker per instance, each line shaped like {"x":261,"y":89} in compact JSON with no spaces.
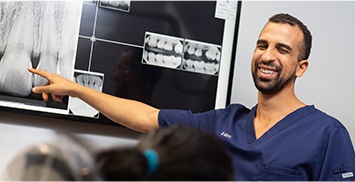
{"x":74,"y":90}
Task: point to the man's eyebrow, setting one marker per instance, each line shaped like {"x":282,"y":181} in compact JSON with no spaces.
{"x":285,"y":46}
{"x":261,"y":41}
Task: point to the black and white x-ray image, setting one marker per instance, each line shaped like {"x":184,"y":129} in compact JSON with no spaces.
{"x":89,"y":2}
{"x":88,"y":79}
{"x":116,"y":5}
{"x":162,"y":50}
{"x":201,"y":57}
{"x":37,"y":34}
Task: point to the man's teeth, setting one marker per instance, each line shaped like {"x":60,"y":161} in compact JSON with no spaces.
{"x":266,"y":71}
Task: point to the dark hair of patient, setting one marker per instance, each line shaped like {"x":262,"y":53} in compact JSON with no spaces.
{"x":184,"y":154}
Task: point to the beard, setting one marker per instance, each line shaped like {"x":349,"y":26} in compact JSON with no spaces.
{"x":271,"y":86}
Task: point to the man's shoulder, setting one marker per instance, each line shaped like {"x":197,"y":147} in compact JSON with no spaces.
{"x":233,"y":111}
{"x":320,"y":117}
{"x":237,"y":106}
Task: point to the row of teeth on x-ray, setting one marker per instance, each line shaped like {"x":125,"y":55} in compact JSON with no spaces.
{"x":171,"y":53}
{"x":163,"y":51}
{"x":91,"y":81}
{"x":115,"y":3}
{"x":206,"y":60}
{"x":79,"y":107}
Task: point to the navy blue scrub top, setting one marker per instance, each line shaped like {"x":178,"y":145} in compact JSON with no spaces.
{"x":305,"y":145}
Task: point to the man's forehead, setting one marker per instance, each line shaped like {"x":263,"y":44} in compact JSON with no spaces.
{"x":281,"y":32}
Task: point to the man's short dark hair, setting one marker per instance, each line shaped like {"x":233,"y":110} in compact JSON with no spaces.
{"x":305,"y":50}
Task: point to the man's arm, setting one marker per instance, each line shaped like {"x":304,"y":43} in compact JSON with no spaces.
{"x":337,"y":162}
{"x":132,"y":114}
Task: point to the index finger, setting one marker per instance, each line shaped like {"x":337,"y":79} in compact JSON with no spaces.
{"x":39,"y":72}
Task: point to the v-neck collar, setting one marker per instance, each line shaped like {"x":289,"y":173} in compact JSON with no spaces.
{"x":283,"y":123}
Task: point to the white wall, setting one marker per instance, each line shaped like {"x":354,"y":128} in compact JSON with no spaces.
{"x":17,"y":132}
{"x":329,"y":81}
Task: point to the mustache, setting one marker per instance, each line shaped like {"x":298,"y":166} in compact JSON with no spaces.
{"x":267,"y":63}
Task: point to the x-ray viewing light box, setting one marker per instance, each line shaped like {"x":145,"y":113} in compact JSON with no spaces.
{"x":168,"y":54}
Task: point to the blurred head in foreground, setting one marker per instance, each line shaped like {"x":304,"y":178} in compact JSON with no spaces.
{"x":172,"y":153}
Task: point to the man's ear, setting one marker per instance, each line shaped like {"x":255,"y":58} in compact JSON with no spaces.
{"x":302,"y":67}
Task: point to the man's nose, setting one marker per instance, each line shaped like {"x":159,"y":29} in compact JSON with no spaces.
{"x":269,"y":55}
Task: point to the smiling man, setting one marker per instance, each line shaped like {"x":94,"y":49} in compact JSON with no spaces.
{"x":280,"y":57}
{"x":280,"y":138}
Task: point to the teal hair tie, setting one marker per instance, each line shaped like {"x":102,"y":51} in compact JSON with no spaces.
{"x":153,"y":160}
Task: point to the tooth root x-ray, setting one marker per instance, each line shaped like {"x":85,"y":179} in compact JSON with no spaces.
{"x":38,"y":34}
{"x":91,"y":80}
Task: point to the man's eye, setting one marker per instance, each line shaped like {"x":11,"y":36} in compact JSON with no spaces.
{"x":283,"y":51}
{"x":263,"y":47}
